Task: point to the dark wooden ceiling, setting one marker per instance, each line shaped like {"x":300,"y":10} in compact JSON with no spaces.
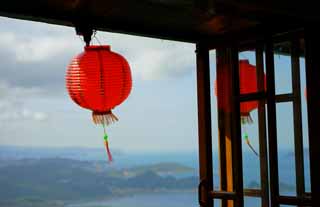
{"x":184,"y":20}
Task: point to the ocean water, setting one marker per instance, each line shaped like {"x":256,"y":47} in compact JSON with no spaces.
{"x":146,"y":200}
{"x":182,"y":199}
{"x":250,"y":170}
{"x":185,"y":199}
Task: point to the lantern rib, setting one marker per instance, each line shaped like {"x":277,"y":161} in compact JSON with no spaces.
{"x":102,"y":79}
{"x":123,"y":82}
{"x":80,"y":90}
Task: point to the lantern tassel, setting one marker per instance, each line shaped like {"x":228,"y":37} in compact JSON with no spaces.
{"x":246,"y":137}
{"x":105,"y":118}
{"x":106,"y":143}
{"x":108,"y":150}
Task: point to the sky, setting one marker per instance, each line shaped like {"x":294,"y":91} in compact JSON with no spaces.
{"x":160,"y":114}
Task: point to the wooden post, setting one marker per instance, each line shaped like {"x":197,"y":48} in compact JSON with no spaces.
{"x":229,"y":124}
{"x":204,"y":126}
{"x":272,"y":125}
{"x":263,"y":145}
{"x":223,"y":57}
{"x":298,"y":138}
{"x":312,"y":45}
{"x":236,"y":139}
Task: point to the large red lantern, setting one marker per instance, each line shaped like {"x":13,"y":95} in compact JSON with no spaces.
{"x":99,"y":80}
{"x":248,"y":84}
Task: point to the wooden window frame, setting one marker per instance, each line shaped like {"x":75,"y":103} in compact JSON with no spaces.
{"x":231,"y":190}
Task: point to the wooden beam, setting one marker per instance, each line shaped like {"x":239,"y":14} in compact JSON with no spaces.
{"x":288,"y":97}
{"x":252,"y":192}
{"x":248,"y":38}
{"x":312,"y":44}
{"x":272,"y":125}
{"x":294,"y":201}
{"x":206,"y":6}
{"x":269,"y":11}
{"x":260,"y":95}
{"x":124,"y":16}
{"x":204,"y":125}
{"x":223,"y":195}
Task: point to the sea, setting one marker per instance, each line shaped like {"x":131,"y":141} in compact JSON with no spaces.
{"x":173,"y":199}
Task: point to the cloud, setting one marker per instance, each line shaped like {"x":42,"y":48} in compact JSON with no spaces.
{"x":35,"y":49}
{"x":40,"y":56}
{"x":12,"y":104}
{"x":165,"y":62}
{"x":152,"y":59}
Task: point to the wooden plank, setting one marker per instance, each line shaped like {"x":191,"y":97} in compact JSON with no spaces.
{"x":263,"y":145}
{"x":252,"y":192}
{"x":236,"y":129}
{"x":204,"y":124}
{"x":223,"y":195}
{"x":288,"y":97}
{"x":272,"y":125}
{"x":252,"y":96}
{"x":295,"y":201}
{"x":312,"y":45}
{"x":297,"y":117}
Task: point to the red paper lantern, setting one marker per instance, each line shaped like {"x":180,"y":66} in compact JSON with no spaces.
{"x":99,"y":79}
{"x":248,"y":84}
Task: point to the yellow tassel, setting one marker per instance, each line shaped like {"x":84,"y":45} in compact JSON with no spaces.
{"x":105,"y":118}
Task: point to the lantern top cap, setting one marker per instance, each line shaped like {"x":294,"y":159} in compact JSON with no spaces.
{"x":245,"y":61}
{"x":97,"y":47}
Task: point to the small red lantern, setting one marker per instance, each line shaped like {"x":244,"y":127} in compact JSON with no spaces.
{"x":248,"y":84}
{"x":99,"y":80}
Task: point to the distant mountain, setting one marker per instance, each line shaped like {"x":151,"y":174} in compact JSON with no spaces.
{"x":76,"y":153}
{"x":59,"y":179}
{"x":164,"y":169}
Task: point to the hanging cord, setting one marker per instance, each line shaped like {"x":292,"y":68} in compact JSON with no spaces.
{"x":81,"y":39}
{"x":95,"y":37}
{"x":106,"y":143}
{"x":86,"y":31}
{"x":246,"y":138}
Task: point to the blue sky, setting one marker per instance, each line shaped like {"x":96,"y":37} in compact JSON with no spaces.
{"x":159,"y":115}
